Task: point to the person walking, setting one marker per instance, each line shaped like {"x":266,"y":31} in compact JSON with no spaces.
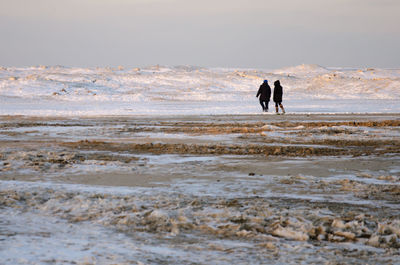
{"x":278,"y":92}
{"x":265,"y":95}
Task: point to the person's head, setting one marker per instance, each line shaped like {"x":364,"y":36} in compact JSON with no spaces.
{"x":266,"y":81}
{"x":277,"y":83}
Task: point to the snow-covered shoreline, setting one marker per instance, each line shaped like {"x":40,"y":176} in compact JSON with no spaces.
{"x":187,"y":90}
{"x":199,"y":189}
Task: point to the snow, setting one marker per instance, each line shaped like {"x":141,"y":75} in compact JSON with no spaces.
{"x":302,"y":69}
{"x":189,"y":90}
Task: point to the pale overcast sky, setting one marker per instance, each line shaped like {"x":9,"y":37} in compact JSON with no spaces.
{"x":226,"y":33}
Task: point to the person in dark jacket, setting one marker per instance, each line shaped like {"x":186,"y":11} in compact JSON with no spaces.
{"x":278,"y":92}
{"x":265,"y":94}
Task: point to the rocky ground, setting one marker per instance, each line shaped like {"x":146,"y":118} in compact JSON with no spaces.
{"x":315,"y":189}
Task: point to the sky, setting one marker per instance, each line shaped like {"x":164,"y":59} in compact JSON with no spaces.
{"x":265,"y":34}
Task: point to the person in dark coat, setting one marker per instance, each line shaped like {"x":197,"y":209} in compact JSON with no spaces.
{"x":265,"y":94}
{"x":278,"y":92}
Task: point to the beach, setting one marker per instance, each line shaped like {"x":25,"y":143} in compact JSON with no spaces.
{"x":153,"y":132}
{"x":200,"y":189}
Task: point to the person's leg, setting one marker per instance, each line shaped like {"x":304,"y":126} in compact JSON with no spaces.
{"x":283,"y":110}
{"x":262,"y":104}
{"x":266,"y":106}
{"x":276,"y":107}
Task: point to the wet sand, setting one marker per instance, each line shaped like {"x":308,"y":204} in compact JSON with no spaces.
{"x":317,"y":189}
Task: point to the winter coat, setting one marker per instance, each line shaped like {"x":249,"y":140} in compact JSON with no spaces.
{"x":277,"y":92}
{"x":265,"y":92}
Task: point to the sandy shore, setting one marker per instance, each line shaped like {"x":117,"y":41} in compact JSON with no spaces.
{"x":56,"y":144}
{"x":250,"y":189}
